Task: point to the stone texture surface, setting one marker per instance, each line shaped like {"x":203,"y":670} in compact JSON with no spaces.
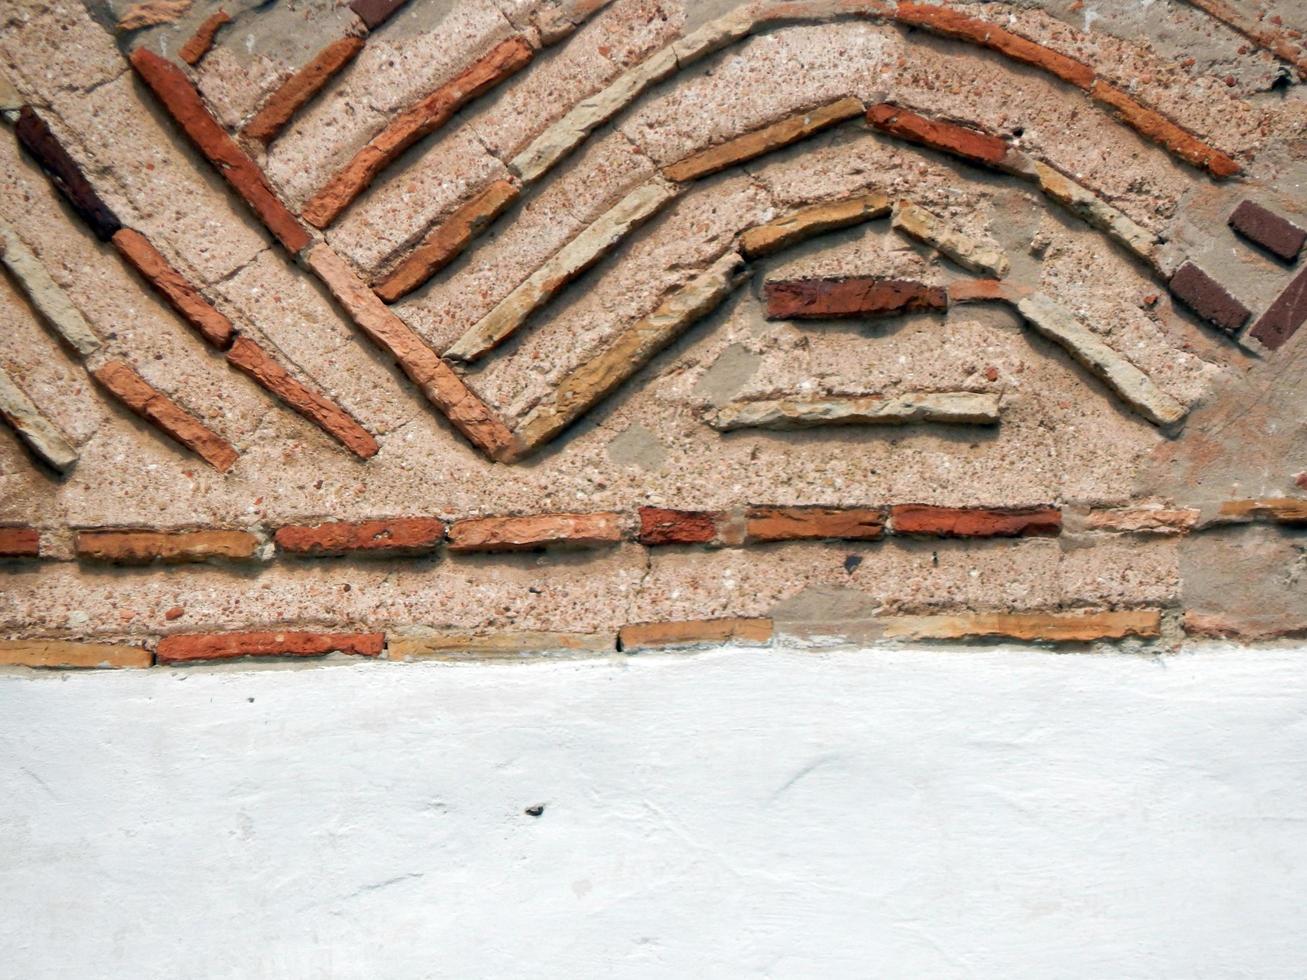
{"x":957,"y":408}
{"x":654,"y":636}
{"x":52,"y":302}
{"x":975,"y":256}
{"x":809,"y":222}
{"x":456,"y":646}
{"x":1044,"y":627}
{"x":40,"y":434}
{"x":61,"y":653}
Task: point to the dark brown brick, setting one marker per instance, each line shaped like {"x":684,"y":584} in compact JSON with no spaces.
{"x":1208,"y":298}
{"x":374,"y":13}
{"x":1282,"y":320}
{"x":976,"y":522}
{"x":849,"y":296}
{"x":65,"y":174}
{"x":1277,"y":235}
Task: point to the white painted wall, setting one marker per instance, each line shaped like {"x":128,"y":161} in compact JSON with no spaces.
{"x":990,"y":813}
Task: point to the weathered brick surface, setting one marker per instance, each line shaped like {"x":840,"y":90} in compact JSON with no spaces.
{"x":66,"y":654}
{"x":399,"y":535}
{"x":808,"y":222}
{"x":985,"y":291}
{"x":1208,"y":298}
{"x":1278,"y":510}
{"x":65,"y":174}
{"x":437,"y":380}
{"x":1159,"y":129}
{"x":975,"y":522}
{"x":228,"y":646}
{"x":661,"y":525}
{"x":1276,"y":234}
{"x":41,"y":435}
{"x":179,"y":292}
{"x":171,"y":547}
{"x":161,"y":411}
{"x":175,"y":91}
{"x":504,"y":60}
{"x":447,"y":240}
{"x":805,"y":523}
{"x":505,"y":645}
{"x":790,"y":299}
{"x":1283,"y":318}
{"x":1050,"y":627}
{"x":251,"y":359}
{"x":20,"y":542}
{"x":1143,"y":520}
{"x":202,"y":40}
{"x":374,"y":13}
{"x":947,"y":137}
{"x":45,"y":294}
{"x":987,"y":34}
{"x":297,"y":90}
{"x":535,"y":531}
{"x":772,"y":137}
{"x":653,"y":636}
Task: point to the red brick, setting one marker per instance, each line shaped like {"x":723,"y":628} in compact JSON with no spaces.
{"x":849,"y":296}
{"x":1277,"y":235}
{"x":419,"y":120}
{"x":535,"y":531}
{"x":969,"y":144}
{"x":253,"y":360}
{"x":447,"y":240}
{"x":400,"y":535}
{"x":976,"y":522}
{"x":20,"y":542}
{"x":143,"y":547}
{"x":65,"y":174}
{"x":1208,"y":298}
{"x":202,"y":40}
{"x":297,"y":90}
{"x":180,"y":294}
{"x":227,"y":646}
{"x":1159,"y":129}
{"x":659,"y":525}
{"x":155,"y":407}
{"x":802,"y":523}
{"x":1284,"y":316}
{"x":175,"y":91}
{"x":950,"y":23}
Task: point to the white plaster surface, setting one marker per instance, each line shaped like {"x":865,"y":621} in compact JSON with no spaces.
{"x":741,"y":813}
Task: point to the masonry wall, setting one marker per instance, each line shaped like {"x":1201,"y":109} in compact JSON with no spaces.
{"x":501,"y":328}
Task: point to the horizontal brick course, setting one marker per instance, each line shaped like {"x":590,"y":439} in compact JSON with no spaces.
{"x":1050,"y":627}
{"x":265,"y":643}
{"x":401,"y":535}
{"x":805,"y":523}
{"x":502,"y":645}
{"x":155,"y":407}
{"x":653,"y":636}
{"x":1276,"y":510}
{"x":68,"y":654}
{"x":975,"y":522}
{"x":535,"y":531}
{"x":660,"y":526}
{"x":132,"y":547}
{"x":175,"y":91}
{"x":175,"y":288}
{"x":251,"y":359}
{"x":20,"y":542}
{"x":847,"y":296}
